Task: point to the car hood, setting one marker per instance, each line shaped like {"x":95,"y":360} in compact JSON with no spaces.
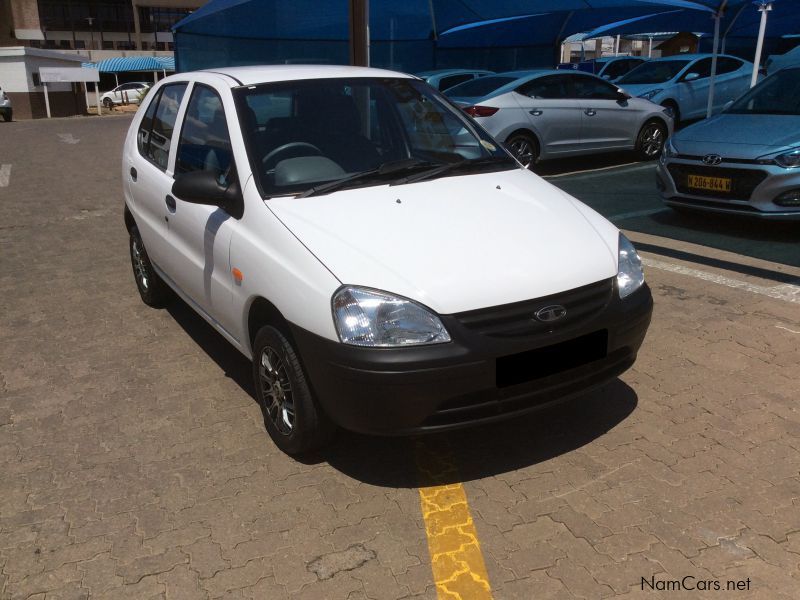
{"x":457,"y":243}
{"x":739,"y":136}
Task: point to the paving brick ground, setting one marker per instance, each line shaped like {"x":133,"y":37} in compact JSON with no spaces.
{"x":134,"y":464}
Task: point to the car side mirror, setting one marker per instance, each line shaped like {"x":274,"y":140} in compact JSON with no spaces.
{"x":623,"y":96}
{"x":728,"y":104}
{"x":691,"y":76}
{"x":207,"y":187}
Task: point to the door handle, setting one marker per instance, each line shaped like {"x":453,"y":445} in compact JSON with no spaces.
{"x":133,"y":174}
{"x":171,"y":205}
{"x":536,"y":112}
{"x":590,"y":112}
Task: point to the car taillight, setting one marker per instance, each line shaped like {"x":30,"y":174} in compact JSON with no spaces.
{"x":480,"y":111}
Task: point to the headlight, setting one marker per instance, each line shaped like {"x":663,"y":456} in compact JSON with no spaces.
{"x":365,"y":317}
{"x":790,"y":160}
{"x":651,"y":94}
{"x":630,"y":275}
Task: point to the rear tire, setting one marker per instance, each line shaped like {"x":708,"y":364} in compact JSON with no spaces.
{"x":525,"y":148}
{"x":152,"y":289}
{"x":293,"y":418}
{"x":651,"y":139}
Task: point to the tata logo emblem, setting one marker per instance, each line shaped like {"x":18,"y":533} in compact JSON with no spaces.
{"x":712,"y":159}
{"x":549,"y":314}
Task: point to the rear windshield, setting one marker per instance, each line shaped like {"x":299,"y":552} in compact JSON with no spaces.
{"x":479,"y":87}
{"x":777,"y":95}
{"x":654,"y":72}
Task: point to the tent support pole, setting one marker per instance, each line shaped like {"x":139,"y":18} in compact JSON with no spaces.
{"x":97,"y":97}
{"x":717,"y":19}
{"x":730,"y":26}
{"x":359,"y":33}
{"x":560,"y":39}
{"x":46,"y":99}
{"x":433,"y":21}
{"x":764,"y":8}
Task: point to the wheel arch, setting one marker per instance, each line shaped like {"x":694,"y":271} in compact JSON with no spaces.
{"x":263,"y":312}
{"x":130,"y":222}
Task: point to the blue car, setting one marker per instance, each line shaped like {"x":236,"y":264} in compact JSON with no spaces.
{"x":609,"y":67}
{"x":745,"y":160}
{"x":681,"y":83}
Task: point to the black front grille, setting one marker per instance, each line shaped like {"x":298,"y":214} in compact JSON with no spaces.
{"x":518,"y":319}
{"x":743,"y":181}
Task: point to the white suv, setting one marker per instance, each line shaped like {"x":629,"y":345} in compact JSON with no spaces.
{"x":387,"y":266}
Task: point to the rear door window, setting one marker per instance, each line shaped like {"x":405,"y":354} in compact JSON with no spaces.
{"x":548,"y":88}
{"x":159,"y":140}
{"x":447,"y":82}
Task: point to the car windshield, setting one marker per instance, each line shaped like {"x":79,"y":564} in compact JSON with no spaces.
{"x":654,"y":72}
{"x":777,"y":95}
{"x":303,"y":134}
{"x":479,"y":87}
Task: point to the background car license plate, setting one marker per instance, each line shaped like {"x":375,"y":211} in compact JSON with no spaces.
{"x":714,"y":184}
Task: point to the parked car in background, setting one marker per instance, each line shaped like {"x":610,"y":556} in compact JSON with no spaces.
{"x":444,"y":79}
{"x":381,"y":260}
{"x":552,"y":114}
{"x":610,"y":67}
{"x":776,"y":62}
{"x":126,"y":92}
{"x":5,"y":106}
{"x":745,"y":160}
{"x":681,"y":83}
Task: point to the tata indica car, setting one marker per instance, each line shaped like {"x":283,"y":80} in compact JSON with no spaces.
{"x":542,"y":115}
{"x":387,"y":266}
{"x":745,"y":160}
{"x":681,"y":83}
{"x":444,"y":79}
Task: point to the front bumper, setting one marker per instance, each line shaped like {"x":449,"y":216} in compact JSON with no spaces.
{"x":764,"y":183}
{"x":476,"y":378}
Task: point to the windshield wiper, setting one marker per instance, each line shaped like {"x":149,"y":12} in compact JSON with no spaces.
{"x":387,"y":168}
{"x":446,"y":168}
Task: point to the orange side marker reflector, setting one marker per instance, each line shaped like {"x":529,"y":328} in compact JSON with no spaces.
{"x":237,"y":276}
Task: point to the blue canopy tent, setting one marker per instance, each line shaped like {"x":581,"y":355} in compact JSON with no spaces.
{"x":410,"y":35}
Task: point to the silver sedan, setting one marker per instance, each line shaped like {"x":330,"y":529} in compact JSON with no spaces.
{"x":745,"y":160}
{"x":555,"y":114}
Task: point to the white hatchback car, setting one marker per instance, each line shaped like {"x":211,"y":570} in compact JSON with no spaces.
{"x":387,"y":266}
{"x":129,"y":93}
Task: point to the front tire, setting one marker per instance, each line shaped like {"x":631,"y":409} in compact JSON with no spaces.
{"x":152,"y":289}
{"x":292,"y":417}
{"x":525,"y":148}
{"x":108,"y":103}
{"x":675,"y":112}
{"x":7,"y":115}
{"x":650,"y":141}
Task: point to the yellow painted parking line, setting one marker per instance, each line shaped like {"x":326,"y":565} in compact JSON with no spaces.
{"x":459,"y":571}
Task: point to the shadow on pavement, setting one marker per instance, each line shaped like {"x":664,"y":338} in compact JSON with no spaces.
{"x":486,"y":450}
{"x":775,"y":241}
{"x":477,"y":452}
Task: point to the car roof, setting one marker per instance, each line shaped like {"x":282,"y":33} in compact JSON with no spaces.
{"x":694,"y":56}
{"x":256,"y":74}
{"x":449,"y":72}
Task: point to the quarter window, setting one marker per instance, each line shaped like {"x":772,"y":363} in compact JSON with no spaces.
{"x":155,"y":134}
{"x":205,"y":144}
{"x":727,"y":65}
